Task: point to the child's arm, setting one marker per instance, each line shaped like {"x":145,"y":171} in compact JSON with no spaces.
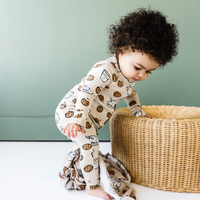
{"x":134,"y":105}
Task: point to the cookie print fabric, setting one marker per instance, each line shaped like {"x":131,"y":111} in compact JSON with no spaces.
{"x":97,"y":95}
{"x":114,"y":177}
{"x":91,"y":104}
{"x":89,"y":162}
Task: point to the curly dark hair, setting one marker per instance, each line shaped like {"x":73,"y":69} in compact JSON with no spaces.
{"x":147,"y":31}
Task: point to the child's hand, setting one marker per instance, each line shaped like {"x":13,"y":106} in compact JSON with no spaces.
{"x":148,"y":116}
{"x":71,"y":130}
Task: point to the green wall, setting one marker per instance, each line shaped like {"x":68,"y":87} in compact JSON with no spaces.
{"x":47,"y":46}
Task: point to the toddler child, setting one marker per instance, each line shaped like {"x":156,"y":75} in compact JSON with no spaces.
{"x":140,"y":43}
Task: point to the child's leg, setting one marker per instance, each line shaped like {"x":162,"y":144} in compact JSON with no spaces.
{"x":89,"y":161}
{"x":89,"y":144}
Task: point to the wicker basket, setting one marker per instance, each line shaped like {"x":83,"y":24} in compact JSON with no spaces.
{"x":162,"y":153}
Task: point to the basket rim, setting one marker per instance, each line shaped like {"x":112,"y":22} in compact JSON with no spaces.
{"x":126,"y":111}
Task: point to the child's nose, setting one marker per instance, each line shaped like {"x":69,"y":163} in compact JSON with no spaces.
{"x":141,"y":74}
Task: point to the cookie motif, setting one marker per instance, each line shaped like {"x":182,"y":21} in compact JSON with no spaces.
{"x":65,"y":169}
{"x":88,"y":168}
{"x":101,"y":97}
{"x":78,"y":115}
{"x":96,"y":120}
{"x":82,"y":187}
{"x":79,"y":110}
{"x":81,"y":157}
{"x":63,"y":105}
{"x":88,"y":125}
{"x":90,"y":78}
{"x":132,"y":103}
{"x":117,"y":94}
{"x":74,"y":101}
{"x":69,"y":114}
{"x":79,"y":88}
{"x":100,"y":109}
{"x":114,"y":77}
{"x":107,"y":87}
{"x":98,"y":89}
{"x":109,"y":115}
{"x":113,"y":64}
{"x":87,"y":146}
{"x":111,"y":173}
{"x":97,"y":65}
{"x":93,"y":187}
{"x":85,"y":102}
{"x":120,"y":84}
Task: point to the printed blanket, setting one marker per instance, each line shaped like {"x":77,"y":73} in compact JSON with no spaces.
{"x":114,"y":177}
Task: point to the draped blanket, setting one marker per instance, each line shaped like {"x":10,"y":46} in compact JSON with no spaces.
{"x":114,"y":178}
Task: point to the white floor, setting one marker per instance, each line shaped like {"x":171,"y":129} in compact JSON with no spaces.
{"x":29,"y":171}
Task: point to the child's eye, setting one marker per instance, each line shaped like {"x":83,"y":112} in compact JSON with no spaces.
{"x":137,"y":68}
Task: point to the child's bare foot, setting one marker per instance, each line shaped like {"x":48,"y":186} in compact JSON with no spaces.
{"x":99,"y":192}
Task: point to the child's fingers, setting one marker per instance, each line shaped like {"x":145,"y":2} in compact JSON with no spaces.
{"x":66,"y":132}
{"x":75,"y":130}
{"x":71,"y":130}
{"x":82,"y":131}
{"x":63,"y":131}
{"x":149,"y":116}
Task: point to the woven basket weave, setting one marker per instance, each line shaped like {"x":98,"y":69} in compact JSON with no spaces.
{"x":162,"y":153}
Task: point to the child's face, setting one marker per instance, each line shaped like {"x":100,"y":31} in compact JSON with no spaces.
{"x":136,"y":66}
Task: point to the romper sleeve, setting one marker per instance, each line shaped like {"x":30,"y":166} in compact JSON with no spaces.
{"x":97,"y":78}
{"x":134,"y":104}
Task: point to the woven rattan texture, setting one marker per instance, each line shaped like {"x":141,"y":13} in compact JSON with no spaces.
{"x":162,"y":153}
